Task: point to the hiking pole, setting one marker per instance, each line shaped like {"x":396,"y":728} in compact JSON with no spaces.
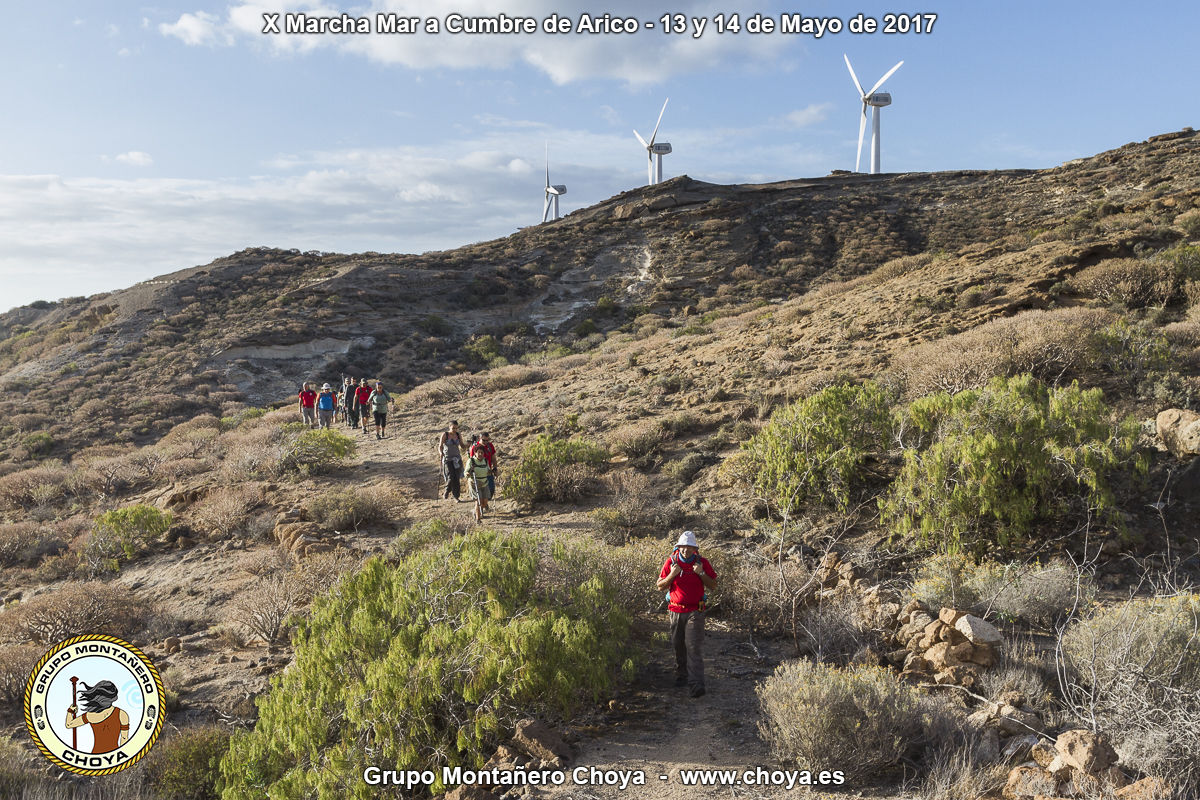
{"x":75,"y":705}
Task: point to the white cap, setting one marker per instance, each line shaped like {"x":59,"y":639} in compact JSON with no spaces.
{"x":687,"y":539}
{"x":326,"y":386}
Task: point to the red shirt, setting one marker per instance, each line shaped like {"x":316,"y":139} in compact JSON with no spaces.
{"x":308,"y":398}
{"x":687,"y":590}
{"x":362,"y":394}
{"x":488,"y":450}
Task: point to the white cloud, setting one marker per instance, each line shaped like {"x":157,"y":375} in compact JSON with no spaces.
{"x":809,"y":115}
{"x":124,"y":52}
{"x":135,"y":158}
{"x":646,"y":57}
{"x":200,"y":28}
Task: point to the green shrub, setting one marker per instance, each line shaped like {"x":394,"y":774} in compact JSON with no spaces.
{"x":1003,"y":457}
{"x":861,"y":721}
{"x":187,"y":766}
{"x":428,"y":664}
{"x":813,"y":449}
{"x":1132,"y":351}
{"x":1134,"y":668}
{"x":132,"y":526}
{"x":311,"y":452}
{"x":546,"y":469}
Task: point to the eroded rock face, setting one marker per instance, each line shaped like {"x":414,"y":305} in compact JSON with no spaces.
{"x":1179,"y":430}
{"x":1086,"y":751}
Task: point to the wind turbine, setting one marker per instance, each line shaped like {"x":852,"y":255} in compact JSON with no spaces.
{"x":652,"y":149}
{"x":552,"y":192}
{"x":876,"y":100}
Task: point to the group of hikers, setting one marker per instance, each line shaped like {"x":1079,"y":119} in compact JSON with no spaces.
{"x":355,"y":405}
{"x":686,"y":576}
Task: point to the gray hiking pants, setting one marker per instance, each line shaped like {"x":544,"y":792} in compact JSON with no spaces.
{"x":687,"y":637}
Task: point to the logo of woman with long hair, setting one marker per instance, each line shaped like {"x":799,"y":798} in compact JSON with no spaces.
{"x":94,"y":705}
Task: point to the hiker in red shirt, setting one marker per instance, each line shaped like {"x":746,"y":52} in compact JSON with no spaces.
{"x":308,"y":405}
{"x":362,"y":402}
{"x":688,"y":575}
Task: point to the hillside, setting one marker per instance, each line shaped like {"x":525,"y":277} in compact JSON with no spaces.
{"x":667,"y":324}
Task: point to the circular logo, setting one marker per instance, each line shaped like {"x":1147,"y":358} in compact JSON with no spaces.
{"x":94,"y":705}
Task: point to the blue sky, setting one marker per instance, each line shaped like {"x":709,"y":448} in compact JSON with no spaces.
{"x":137,"y":140}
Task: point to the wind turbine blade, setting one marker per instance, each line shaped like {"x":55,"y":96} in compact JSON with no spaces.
{"x":886,"y":75}
{"x":854,"y":77}
{"x":660,"y":115}
{"x":862,"y":128}
{"x":547,"y":165}
{"x":640,"y":139}
{"x":546,"y":209}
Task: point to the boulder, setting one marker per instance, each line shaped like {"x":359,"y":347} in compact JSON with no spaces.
{"x":172,"y":644}
{"x":540,"y":741}
{"x":940,"y":657}
{"x":1029,"y":782}
{"x":962,"y":652}
{"x":1145,"y":789}
{"x":1016,"y":722}
{"x":949,"y":616}
{"x":978,"y":631}
{"x":1180,"y":431}
{"x":1043,"y":753}
{"x":1017,"y":748}
{"x":983,"y":655}
{"x":1086,"y":751}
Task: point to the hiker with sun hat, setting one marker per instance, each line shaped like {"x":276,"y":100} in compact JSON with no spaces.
{"x":687,"y":576}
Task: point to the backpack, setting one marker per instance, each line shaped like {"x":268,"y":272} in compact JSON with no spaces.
{"x":675,"y":559}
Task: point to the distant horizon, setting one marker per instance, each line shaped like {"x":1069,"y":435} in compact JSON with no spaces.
{"x":158,"y":139}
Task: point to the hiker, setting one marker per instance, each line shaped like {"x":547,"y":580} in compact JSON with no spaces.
{"x":326,"y":405}
{"x":308,"y":402}
{"x":362,"y":398}
{"x":688,"y":575}
{"x":450,"y":446}
{"x":378,"y":400}
{"x":349,"y":414}
{"x":477,"y":471}
{"x":483,"y":445}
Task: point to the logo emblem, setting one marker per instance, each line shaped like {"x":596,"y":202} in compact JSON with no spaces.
{"x":94,"y":705}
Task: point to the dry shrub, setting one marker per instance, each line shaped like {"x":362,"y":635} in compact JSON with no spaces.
{"x":16,"y":663}
{"x":1023,"y":667}
{"x":353,"y":507}
{"x":631,"y":569}
{"x":1190,"y":222}
{"x":27,"y":543}
{"x":1183,"y":334}
{"x":441,"y":391}
{"x":252,"y":452}
{"x":637,"y":440}
{"x":835,"y":629}
{"x":198,"y":437}
{"x":512,"y":376}
{"x":861,"y":721}
{"x":264,"y":608}
{"x":1191,"y":292}
{"x":1048,"y":344}
{"x":765,"y":596}
{"x":637,"y":507}
{"x":34,"y":486}
{"x":318,"y":573}
{"x":177,"y":468}
{"x":900,"y":266}
{"x":1134,"y":669}
{"x":567,"y":483}
{"x":75,"y":609}
{"x":958,"y":772}
{"x":1131,"y":282}
{"x":226,"y":509}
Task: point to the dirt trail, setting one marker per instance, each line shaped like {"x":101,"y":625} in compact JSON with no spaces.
{"x":651,"y":727}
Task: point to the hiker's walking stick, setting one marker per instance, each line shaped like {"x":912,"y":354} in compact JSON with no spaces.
{"x":74,"y":705}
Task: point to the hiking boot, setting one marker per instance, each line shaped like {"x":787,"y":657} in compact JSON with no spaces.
{"x":697,"y":691}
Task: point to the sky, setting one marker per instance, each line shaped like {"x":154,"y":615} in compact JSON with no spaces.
{"x":140,"y":139}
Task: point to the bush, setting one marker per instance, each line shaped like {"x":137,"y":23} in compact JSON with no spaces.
{"x":861,"y":721}
{"x":75,"y":609}
{"x":814,"y":448}
{"x":427,"y":664}
{"x":27,"y":543}
{"x":1134,"y":668}
{"x":1130,"y":282}
{"x":1004,"y":457}
{"x":132,"y":526}
{"x":187,"y":765}
{"x":227,"y":509}
{"x":1190,"y":222}
{"x":351,"y":508}
{"x":266,"y":607}
{"x":312,"y":452}
{"x":638,"y":440}
{"x":1132,"y":351}
{"x":512,"y":376}
{"x":16,"y":664}
{"x":553,"y":469}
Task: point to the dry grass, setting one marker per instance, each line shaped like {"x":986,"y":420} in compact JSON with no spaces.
{"x":637,"y":440}
{"x":75,"y":609}
{"x":226,"y":509}
{"x":512,"y":376}
{"x":1130,"y":282}
{"x":351,"y":508}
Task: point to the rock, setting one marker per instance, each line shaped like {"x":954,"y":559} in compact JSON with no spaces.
{"x":1060,"y":769}
{"x":469,"y":791}
{"x":988,"y":749}
{"x":950,"y":616}
{"x":1015,"y":722}
{"x":919,"y":620}
{"x":899,"y":658}
{"x":540,"y":741}
{"x":940,"y":657}
{"x":1029,"y":782}
{"x":962,"y":652}
{"x":1179,"y":431}
{"x":1145,"y":789}
{"x":983,"y":655}
{"x":910,"y":608}
{"x":1086,"y":751}
{"x":963,"y":676}
{"x":918,"y":663}
{"x":916,"y":677}
{"x":172,"y":644}
{"x":951,"y":636}
{"x":1018,"y":748}
{"x":978,"y":631}
{"x":1043,"y":753}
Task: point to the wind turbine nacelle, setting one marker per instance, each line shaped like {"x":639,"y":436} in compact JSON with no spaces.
{"x":559,"y":188}
{"x":879,"y":99}
{"x":661,"y":148}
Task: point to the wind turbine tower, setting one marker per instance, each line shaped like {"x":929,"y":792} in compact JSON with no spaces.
{"x":552,"y":192}
{"x":661,"y":149}
{"x":876,"y":100}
